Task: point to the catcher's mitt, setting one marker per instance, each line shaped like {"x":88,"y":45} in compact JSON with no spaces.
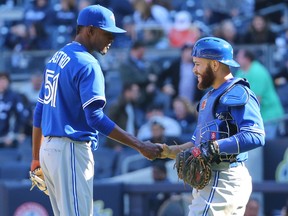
{"x":37,"y":178}
{"x":193,"y":167}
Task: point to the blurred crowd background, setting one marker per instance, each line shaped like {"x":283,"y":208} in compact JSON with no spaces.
{"x":150,"y":88}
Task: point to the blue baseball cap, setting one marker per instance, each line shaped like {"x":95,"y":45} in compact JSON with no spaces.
{"x":100,"y":17}
{"x":216,"y":49}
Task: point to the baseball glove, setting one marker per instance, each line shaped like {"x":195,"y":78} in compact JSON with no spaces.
{"x":193,"y":167}
{"x":37,"y":178}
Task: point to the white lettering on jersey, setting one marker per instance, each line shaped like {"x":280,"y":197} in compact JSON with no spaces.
{"x":60,"y":58}
{"x":51,"y":85}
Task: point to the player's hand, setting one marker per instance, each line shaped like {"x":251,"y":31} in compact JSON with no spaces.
{"x":34,"y":164}
{"x":151,"y":150}
{"x":172,"y":150}
{"x":166,"y":151}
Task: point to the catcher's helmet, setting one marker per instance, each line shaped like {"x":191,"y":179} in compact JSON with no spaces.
{"x":216,"y":49}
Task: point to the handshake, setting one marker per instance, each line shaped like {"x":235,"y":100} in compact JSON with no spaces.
{"x":210,"y":150}
{"x":192,"y":163}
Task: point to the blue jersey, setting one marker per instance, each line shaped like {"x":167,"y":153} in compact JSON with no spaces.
{"x":230,"y":115}
{"x":72,"y":80}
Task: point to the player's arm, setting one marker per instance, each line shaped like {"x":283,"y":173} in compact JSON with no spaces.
{"x":97,"y":120}
{"x":251,"y":131}
{"x":148,"y":149}
{"x":37,"y":136}
{"x":172,"y":150}
{"x":36,"y":175}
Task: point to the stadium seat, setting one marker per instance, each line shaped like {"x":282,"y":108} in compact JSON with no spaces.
{"x":105,"y":159}
{"x":14,"y":170}
{"x":8,"y":154}
{"x":130,"y":160}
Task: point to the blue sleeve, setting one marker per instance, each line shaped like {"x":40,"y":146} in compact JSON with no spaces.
{"x":37,"y":117}
{"x":91,"y":84}
{"x":97,"y":120}
{"x":251,"y":130}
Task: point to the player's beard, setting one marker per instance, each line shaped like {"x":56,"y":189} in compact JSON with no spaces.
{"x":207,"y":77}
{"x":103,"y":51}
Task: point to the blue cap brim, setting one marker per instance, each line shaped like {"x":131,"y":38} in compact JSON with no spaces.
{"x":231,"y":63}
{"x":113,"y":29}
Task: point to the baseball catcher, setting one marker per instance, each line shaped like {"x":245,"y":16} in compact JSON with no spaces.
{"x":37,"y":178}
{"x":229,"y":125}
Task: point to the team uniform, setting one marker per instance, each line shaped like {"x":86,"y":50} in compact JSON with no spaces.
{"x":231,"y":116}
{"x":227,"y":114}
{"x":69,"y":114}
{"x":66,"y":150}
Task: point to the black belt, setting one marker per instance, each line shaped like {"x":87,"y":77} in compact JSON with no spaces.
{"x":228,"y":158}
{"x":232,"y":160}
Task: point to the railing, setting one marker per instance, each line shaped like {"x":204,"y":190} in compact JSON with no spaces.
{"x":17,"y":193}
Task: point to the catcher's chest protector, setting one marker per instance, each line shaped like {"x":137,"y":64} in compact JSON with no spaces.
{"x":214,"y":119}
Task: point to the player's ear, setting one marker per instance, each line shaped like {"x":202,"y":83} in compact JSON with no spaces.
{"x":214,"y":65}
{"x":91,"y":29}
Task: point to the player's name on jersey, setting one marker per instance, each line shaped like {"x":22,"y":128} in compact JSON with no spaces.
{"x":60,"y":58}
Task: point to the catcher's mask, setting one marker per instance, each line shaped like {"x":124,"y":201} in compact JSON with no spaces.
{"x":216,"y":49}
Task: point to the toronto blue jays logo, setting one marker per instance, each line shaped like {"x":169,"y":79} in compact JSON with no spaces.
{"x":203,"y":104}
